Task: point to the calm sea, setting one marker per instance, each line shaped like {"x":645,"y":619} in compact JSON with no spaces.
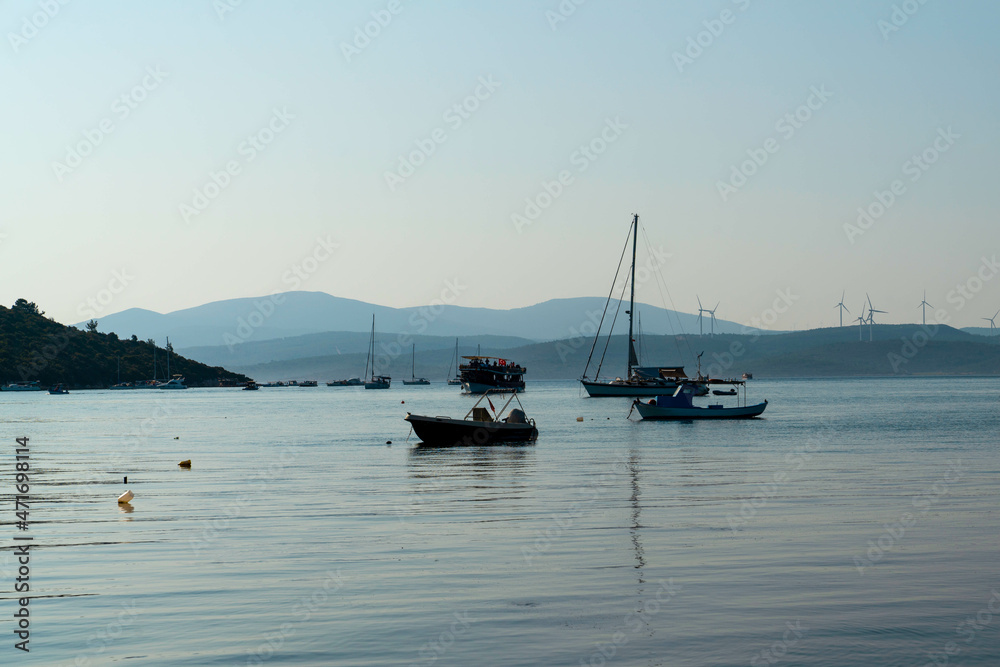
{"x":858,"y":523}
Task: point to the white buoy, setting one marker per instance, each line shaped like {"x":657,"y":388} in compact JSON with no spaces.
{"x":125,"y":497}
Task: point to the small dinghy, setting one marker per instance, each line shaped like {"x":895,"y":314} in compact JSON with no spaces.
{"x":478,"y":427}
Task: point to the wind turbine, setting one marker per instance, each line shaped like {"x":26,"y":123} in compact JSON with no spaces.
{"x":701,"y":331}
{"x":842,"y":307}
{"x":860,"y":319}
{"x":924,"y":305}
{"x":871,"y":316}
{"x":993,"y":325}
{"x":712,"y":312}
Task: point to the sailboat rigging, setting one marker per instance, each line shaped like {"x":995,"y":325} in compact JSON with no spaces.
{"x":413,"y":370}
{"x":638,"y":380}
{"x":374,"y":381}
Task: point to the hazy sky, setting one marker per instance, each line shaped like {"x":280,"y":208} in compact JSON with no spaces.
{"x":116,"y":114}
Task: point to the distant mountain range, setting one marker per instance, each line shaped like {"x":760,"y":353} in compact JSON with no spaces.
{"x":291,"y":314}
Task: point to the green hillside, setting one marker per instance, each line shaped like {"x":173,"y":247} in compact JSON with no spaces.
{"x":33,"y":347}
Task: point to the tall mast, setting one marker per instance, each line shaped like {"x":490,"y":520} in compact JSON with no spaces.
{"x":168,"y":356}
{"x":371,"y":346}
{"x":632,"y":360}
{"x":413,"y":363}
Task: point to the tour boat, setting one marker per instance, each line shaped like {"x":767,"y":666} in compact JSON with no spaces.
{"x":482,"y":374}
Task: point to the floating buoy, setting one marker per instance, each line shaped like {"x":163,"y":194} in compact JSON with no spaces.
{"x":185,"y":464}
{"x":402,"y":402}
{"x":125,"y":497}
{"x":579,"y":419}
{"x":388,"y":442}
{"x":126,"y":480}
{"x":177,"y":437}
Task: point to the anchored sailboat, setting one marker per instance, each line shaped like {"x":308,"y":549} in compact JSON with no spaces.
{"x":374,"y":381}
{"x":413,"y":369}
{"x":458,"y":378}
{"x":639,"y":380}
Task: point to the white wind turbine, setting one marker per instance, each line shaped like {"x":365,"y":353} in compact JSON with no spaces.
{"x":712,"y":312}
{"x":924,"y":305}
{"x":993,"y":325}
{"x":871,"y":315}
{"x":842,"y":307}
{"x":701,"y":331}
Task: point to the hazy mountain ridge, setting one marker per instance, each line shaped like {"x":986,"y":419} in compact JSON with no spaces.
{"x":294,"y":314}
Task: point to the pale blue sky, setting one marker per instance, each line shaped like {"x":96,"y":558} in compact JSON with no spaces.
{"x":323,"y":176}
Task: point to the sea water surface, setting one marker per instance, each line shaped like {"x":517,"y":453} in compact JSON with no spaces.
{"x":857,"y":523}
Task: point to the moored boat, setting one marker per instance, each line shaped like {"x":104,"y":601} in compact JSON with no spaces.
{"x":250,"y":386}
{"x":680,"y":406}
{"x":454,"y":362}
{"x":23,"y":385}
{"x":352,"y":382}
{"x":478,"y":427}
{"x":483,"y":374}
{"x":309,"y":383}
{"x":638,"y":380}
{"x":177,"y":382}
{"x":374,"y":381}
{"x":58,"y":389}
{"x":413,"y":369}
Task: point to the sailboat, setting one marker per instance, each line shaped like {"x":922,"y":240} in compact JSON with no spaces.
{"x":413,"y":368}
{"x":458,"y":378}
{"x":638,"y":380}
{"x":374,"y":381}
{"x":175,"y":382}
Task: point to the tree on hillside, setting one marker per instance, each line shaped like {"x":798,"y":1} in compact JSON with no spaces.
{"x":92,"y":326}
{"x":25,"y":306}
